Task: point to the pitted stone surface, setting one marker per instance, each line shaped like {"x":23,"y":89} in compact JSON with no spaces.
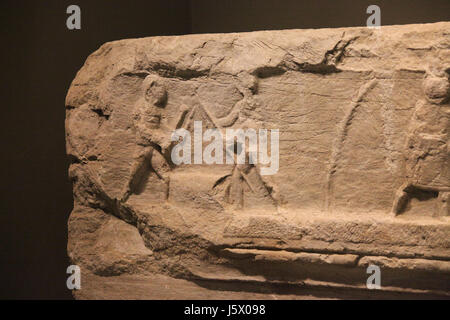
{"x":364,"y":161}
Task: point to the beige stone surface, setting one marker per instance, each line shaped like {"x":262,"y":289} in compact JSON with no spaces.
{"x":364,"y":165}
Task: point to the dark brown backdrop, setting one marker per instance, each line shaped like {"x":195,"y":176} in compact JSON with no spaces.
{"x":40,"y":57}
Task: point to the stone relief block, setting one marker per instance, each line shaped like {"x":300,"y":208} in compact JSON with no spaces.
{"x":363,"y":174}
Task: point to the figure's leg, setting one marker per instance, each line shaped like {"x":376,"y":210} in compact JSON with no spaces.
{"x":443,"y":204}
{"x":161,"y":168}
{"x":141,"y":162}
{"x":236,"y":193}
{"x":401,"y":200}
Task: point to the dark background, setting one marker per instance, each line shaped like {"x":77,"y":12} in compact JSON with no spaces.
{"x":40,"y":57}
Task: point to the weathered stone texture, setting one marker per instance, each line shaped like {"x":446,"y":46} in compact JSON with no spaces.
{"x":364,"y":170}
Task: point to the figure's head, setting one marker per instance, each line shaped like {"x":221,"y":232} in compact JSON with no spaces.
{"x":155,"y":92}
{"x":436,"y":86}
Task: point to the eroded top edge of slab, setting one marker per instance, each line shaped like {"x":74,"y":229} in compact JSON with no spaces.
{"x":387,"y":28}
{"x":382,"y":51}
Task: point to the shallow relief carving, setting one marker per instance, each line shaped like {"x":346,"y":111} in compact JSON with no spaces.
{"x":363,"y":173}
{"x":427,"y":148}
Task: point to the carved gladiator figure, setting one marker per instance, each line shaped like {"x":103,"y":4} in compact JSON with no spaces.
{"x":427,"y":152}
{"x":152,"y":135}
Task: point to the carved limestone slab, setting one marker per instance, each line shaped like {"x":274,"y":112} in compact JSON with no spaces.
{"x":346,"y":163}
